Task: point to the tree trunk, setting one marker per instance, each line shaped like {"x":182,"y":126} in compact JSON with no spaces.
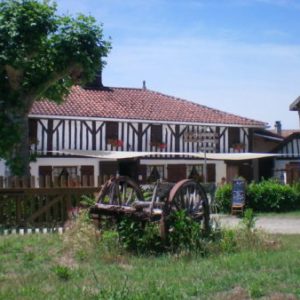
{"x":21,"y":156}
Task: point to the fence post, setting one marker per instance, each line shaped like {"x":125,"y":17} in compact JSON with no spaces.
{"x":47,"y":181}
{"x":84,"y":180}
{"x":92,"y":180}
{"x":32,"y":181}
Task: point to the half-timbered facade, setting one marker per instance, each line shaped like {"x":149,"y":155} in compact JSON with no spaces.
{"x":125,"y":119}
{"x":287,"y":164}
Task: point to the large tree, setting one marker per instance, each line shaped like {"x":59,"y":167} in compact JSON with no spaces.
{"x":42,"y":54}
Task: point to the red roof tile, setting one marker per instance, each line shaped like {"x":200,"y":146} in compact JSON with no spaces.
{"x":138,"y":104}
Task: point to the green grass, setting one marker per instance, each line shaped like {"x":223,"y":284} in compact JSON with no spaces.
{"x":43,"y":267}
{"x":290,"y":214}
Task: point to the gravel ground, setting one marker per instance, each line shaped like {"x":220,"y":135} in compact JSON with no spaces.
{"x":269,"y":224}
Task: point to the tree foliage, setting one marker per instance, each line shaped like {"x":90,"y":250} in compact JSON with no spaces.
{"x":42,"y":54}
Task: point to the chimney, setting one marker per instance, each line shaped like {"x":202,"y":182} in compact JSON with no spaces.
{"x":278,"y":127}
{"x":97,"y":82}
{"x":144,"y":85}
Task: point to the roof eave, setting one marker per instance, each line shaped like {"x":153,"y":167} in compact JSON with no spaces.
{"x":41,"y":116}
{"x":295,"y":105}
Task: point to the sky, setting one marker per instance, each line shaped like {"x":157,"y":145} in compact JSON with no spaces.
{"x":238,"y":56}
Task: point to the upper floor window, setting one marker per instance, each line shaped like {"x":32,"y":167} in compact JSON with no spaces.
{"x":111,"y":131}
{"x":233,"y":136}
{"x":32,"y":131}
{"x":156,"y":135}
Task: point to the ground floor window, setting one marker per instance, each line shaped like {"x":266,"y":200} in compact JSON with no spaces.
{"x":194,"y":172}
{"x":64,"y":171}
{"x":155,"y":173}
{"x":66,"y":175}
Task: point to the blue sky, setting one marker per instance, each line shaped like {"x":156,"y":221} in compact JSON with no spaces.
{"x":239,"y":56}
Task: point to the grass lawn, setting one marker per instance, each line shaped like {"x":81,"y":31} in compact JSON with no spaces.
{"x":39,"y":267}
{"x":290,"y":214}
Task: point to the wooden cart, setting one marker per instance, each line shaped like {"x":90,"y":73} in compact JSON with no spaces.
{"x":121,"y":196}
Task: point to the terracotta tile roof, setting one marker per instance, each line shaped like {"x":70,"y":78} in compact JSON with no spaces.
{"x":138,"y":104}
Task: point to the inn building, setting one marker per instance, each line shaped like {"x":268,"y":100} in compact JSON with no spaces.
{"x":98,"y":118}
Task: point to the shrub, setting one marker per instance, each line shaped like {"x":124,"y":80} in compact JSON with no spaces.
{"x":223,"y":197}
{"x":249,"y":219}
{"x":144,"y":238}
{"x":269,"y":195}
{"x":139,"y":237}
{"x":184,"y":233}
{"x":265,"y":196}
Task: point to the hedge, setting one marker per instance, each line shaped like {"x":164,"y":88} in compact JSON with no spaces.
{"x":265,"y":196}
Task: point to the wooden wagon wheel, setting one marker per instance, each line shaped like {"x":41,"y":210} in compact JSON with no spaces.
{"x":189,"y":195}
{"x":120,"y":191}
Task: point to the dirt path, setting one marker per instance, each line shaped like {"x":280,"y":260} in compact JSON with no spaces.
{"x":285,"y":225}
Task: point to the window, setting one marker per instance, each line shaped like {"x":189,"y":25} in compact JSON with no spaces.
{"x":70,"y":172}
{"x":156,"y":135}
{"x":194,"y":172}
{"x":111,"y":131}
{"x":155,"y":173}
{"x":32,"y":131}
{"x":233,"y":136}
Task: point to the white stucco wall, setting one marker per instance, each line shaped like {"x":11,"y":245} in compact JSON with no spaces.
{"x":63,"y":161}
{"x":2,"y":167}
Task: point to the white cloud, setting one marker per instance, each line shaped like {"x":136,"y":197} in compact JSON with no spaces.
{"x":257,"y":81}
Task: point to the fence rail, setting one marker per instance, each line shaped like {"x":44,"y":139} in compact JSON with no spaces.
{"x":49,"y":181}
{"x":26,"y":206}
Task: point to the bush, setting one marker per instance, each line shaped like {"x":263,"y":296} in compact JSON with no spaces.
{"x":139,"y":237}
{"x":269,"y":195}
{"x":185,"y":235}
{"x":223,"y":198}
{"x":265,"y":196}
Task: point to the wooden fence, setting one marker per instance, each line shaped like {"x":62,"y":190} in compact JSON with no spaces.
{"x":48,"y":181}
{"x":51,"y":204}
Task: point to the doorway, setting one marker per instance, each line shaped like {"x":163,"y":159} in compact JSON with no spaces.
{"x":129,"y":168}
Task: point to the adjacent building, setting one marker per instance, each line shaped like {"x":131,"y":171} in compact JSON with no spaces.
{"x":287,"y":164}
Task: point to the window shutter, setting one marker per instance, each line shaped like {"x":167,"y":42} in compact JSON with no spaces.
{"x":87,"y":175}
{"x":211,"y":173}
{"x":45,"y":176}
{"x":233,"y":136}
{"x":176,"y":172}
{"x":112,"y":131}
{"x":32,"y":131}
{"x":156,"y":134}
